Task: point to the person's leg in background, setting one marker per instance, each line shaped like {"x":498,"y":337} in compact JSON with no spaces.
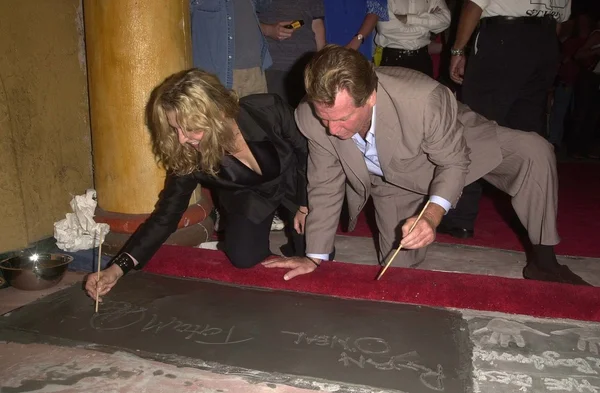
{"x":248,"y":81}
{"x":585,"y":113}
{"x":247,"y":243}
{"x":494,"y":78}
{"x":591,"y":123}
{"x":495,"y":73}
{"x":528,"y":111}
{"x":490,"y":97}
{"x":563,"y":95}
{"x":459,"y":222}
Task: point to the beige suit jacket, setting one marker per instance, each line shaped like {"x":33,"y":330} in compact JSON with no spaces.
{"x":426,"y":141}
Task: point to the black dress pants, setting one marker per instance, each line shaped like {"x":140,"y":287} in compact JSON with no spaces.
{"x":247,"y":243}
{"x":507,"y":80}
{"x":586,"y":114}
{"x":418,"y":60}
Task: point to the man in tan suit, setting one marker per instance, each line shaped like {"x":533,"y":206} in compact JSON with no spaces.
{"x":402,"y":138}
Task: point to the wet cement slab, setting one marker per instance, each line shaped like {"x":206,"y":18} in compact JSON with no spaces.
{"x":394,"y":347}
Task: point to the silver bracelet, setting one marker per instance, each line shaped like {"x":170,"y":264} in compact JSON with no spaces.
{"x":457,"y":52}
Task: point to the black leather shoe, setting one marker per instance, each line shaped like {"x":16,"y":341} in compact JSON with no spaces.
{"x":460,"y":233}
{"x":560,"y":274}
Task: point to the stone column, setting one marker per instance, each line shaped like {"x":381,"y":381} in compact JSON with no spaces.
{"x":131,"y":47}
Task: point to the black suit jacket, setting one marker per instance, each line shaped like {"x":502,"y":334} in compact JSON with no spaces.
{"x":262,"y":117}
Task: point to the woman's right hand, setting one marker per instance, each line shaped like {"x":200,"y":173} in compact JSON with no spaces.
{"x":108,"y":279}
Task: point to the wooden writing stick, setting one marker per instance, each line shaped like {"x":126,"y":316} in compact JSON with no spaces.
{"x":400,"y":246}
{"x":99,"y":263}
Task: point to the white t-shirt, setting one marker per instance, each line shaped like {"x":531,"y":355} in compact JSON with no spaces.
{"x":558,"y":9}
{"x":423,"y":17}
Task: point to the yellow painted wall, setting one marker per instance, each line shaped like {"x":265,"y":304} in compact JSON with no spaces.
{"x":45,"y":140}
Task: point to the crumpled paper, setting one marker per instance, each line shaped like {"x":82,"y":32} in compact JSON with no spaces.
{"x":79,"y":231}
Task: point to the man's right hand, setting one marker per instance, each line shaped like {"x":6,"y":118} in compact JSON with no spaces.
{"x":277,"y":31}
{"x":108,"y":279}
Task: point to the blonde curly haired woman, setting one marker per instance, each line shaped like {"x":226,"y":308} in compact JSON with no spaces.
{"x":249,"y":151}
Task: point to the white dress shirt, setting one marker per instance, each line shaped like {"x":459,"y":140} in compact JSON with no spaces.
{"x":368,"y":149}
{"x":423,"y":17}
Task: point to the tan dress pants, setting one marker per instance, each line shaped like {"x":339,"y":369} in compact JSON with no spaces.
{"x":527,"y":173}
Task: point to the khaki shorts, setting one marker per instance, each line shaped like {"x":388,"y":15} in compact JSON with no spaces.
{"x":249,"y":81}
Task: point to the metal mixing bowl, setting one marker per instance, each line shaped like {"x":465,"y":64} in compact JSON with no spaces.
{"x":33,"y":272}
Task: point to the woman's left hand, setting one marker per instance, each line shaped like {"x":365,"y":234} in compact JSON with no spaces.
{"x":300,"y":219}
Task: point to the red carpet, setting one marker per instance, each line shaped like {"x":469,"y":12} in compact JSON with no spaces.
{"x":578,"y":216}
{"x":414,"y":286}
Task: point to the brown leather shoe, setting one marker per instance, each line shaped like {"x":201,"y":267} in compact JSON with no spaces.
{"x":560,"y":274}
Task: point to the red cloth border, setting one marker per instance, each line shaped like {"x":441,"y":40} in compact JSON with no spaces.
{"x":414,"y":286}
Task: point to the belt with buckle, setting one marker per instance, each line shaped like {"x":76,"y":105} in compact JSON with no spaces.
{"x":387,"y":51}
{"x":518,"y":20}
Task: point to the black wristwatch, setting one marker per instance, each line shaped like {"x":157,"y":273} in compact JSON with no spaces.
{"x":361,"y":38}
{"x":124,"y":261}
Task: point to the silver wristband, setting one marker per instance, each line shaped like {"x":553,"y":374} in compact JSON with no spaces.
{"x":457,"y":52}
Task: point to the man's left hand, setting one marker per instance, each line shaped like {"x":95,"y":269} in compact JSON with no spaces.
{"x":297,"y":266}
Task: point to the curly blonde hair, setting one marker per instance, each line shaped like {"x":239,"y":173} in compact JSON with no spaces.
{"x":201,"y":104}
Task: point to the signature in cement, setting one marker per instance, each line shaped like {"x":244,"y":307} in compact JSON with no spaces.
{"x":588,"y":338}
{"x":366,"y":345}
{"x":373,"y":352}
{"x":504,"y":332}
{"x":192,"y":330}
{"x":123,"y":315}
{"x":432,"y":379}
